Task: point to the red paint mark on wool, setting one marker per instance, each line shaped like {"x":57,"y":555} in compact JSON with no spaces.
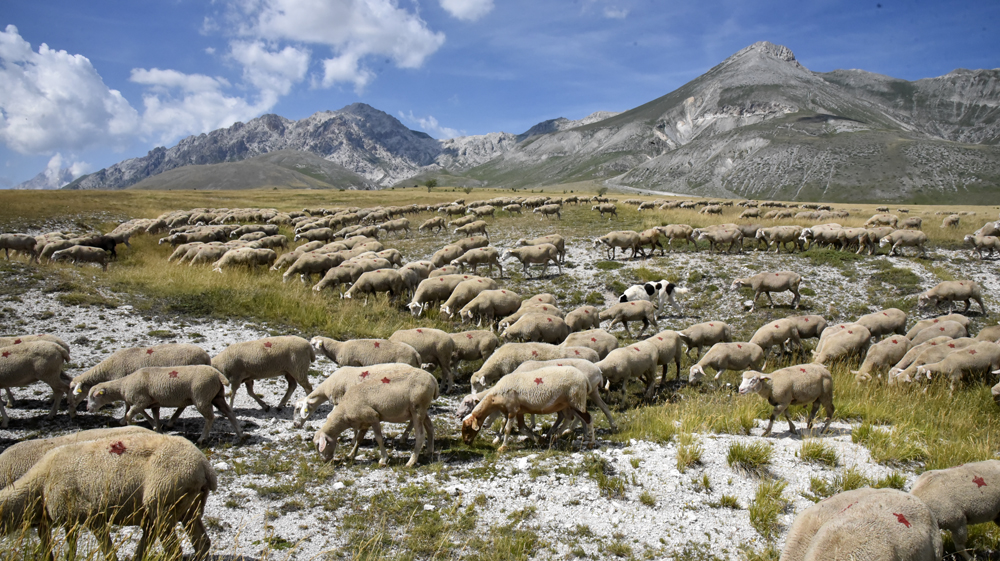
{"x":386,"y":380}
{"x":901,"y":519}
{"x":802,"y":369}
{"x":172,"y":373}
{"x":6,"y":354}
{"x":534,"y":353}
{"x":420,"y":331}
{"x":377,"y":344}
{"x":979,"y":481}
{"x":894,"y":342}
{"x":267,"y":344}
{"x":149,"y":351}
{"x":365,"y":374}
{"x":118,"y":448}
{"x":550,"y":320}
{"x":538,"y":381}
{"x":17,"y":342}
{"x":972,"y":351}
{"x":468,"y":335}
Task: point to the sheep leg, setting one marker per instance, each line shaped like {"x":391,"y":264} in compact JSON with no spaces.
{"x":206,"y":411}
{"x":72,"y":535}
{"x":175,"y":416}
{"x":798,"y":297}
{"x":130,"y":413}
{"x":506,"y":430}
{"x":959,"y":535}
{"x":812,"y":414}
{"x":429,"y":434}
{"x":249,"y":386}
{"x":769,"y":298}
{"x":523,"y":428}
{"x":377,"y":433}
{"x":220,"y":403}
{"x":6,"y":419}
{"x":45,"y":537}
{"x":770,"y":422}
{"x":359,"y":435}
{"x":560,"y":417}
{"x":10,"y":396}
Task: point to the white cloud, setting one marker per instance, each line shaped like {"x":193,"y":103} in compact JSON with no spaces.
{"x":613,"y":12}
{"x":469,"y":10}
{"x":430,"y":125}
{"x":52,"y":100}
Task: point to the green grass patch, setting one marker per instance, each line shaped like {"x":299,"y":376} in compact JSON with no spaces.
{"x":608,"y":265}
{"x":768,"y":504}
{"x":818,"y":452}
{"x":752,"y":458}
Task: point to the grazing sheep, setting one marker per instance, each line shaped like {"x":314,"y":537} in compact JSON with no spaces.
{"x":479,"y":256}
{"x":365,"y":352}
{"x":309,"y":264}
{"x":542,"y":253}
{"x":333,"y":388}
{"x":809,"y":327}
{"x":951,"y":221}
{"x":512,"y":208}
{"x":167,"y":386}
{"x":767,"y":283}
{"x":960,"y":497}
{"x":624,"y":239}
{"x":750,"y":213}
{"x":549,"y":210}
{"x":553,"y":389}
{"x":844,"y":345}
{"x":991,"y":333}
{"x":123,"y":362}
{"x":477,"y":227}
{"x":19,"y":242}
{"x":952,"y":291}
{"x":624,"y":312}
{"x":951,"y":329}
{"x":721,"y":236}
{"x":245,"y":257}
{"x":727,"y":356}
{"x":447,"y":254}
{"x":36,"y":361}
{"x":781,"y":235}
{"x":796,"y":385}
{"x":925,"y":323}
{"x":435,"y":289}
{"x":704,"y":335}
{"x":980,"y":243}
{"x":537,"y":328}
{"x":245,"y":362}
{"x":20,"y":339}
{"x":912,"y":223}
{"x":884,"y":322}
{"x":530,"y":306}
{"x":980,"y":358}
{"x":481,"y":211}
{"x":678,"y":231}
{"x":638,"y":360}
{"x":554,"y":239}
{"x":436,"y":223}
{"x":606,"y":208}
{"x":783,"y":333}
{"x":465,"y":292}
{"x":598,"y":340}
{"x":929,"y":351}
{"x":865,"y":523}
{"x":474,"y":345}
{"x":669,"y":350}
{"x":505,"y":359}
{"x":590,"y":369}
{"x":904,"y":238}
{"x":83,"y":254}
{"x":662,"y":291}
{"x":434,"y":346}
{"x":583,"y":318}
{"x":372,"y":402}
{"x":490,"y":304}
{"x":882,"y":220}
{"x":373,"y":282}
{"x":158,"y":481}
{"x":882,"y":356}
{"x":343,"y":274}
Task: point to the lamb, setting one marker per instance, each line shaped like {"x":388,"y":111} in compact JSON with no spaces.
{"x":593,"y":373}
{"x":333,"y":388}
{"x":537,"y":328}
{"x":168,"y":386}
{"x":464,"y":293}
{"x":925,"y":323}
{"x":882,"y":356}
{"x":678,"y":231}
{"x":904,"y":238}
{"x":554,"y":389}
{"x":372,"y":282}
{"x":479,"y":256}
{"x":606,"y":208}
{"x":624,"y":239}
{"x":542,"y":253}
{"x":245,"y":362}
{"x":598,"y":340}
{"x":554,"y":239}
{"x":19,"y":242}
{"x":37,"y":361}
{"x":767,"y":283}
{"x":158,"y":480}
{"x":850,"y":342}
{"x":865,"y":523}
{"x":638,"y":360}
{"x":663,"y":291}
{"x":783,"y":333}
{"x":624,"y":312}
{"x":727,"y":356}
{"x":474,"y":345}
{"x":123,"y":362}
{"x":952,"y":291}
{"x":583,"y":318}
{"x":951,"y":329}
{"x":372,"y":402}
{"x":705,"y":334}
{"x":980,"y":358}
{"x":247,"y":257}
{"x":951,"y":221}
{"x":490,"y":304}
{"x":960,"y":497}
{"x":433,"y":346}
{"x":796,"y":385}
{"x":885,"y":322}
{"x":980,"y":243}
{"x":508,"y":357}
{"x":477,"y":227}
{"x":83,"y":254}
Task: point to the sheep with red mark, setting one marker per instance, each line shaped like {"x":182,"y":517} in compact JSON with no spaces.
{"x":270,"y":357}
{"x":489,"y":305}
{"x":951,"y":292}
{"x":583,"y":318}
{"x":623,"y":239}
{"x":333,"y":388}
{"x":373,"y":282}
{"x":537,"y":328}
{"x":638,"y":360}
{"x":980,"y":358}
{"x":931,"y":353}
{"x":669,"y":350}
{"x":951,"y":329}
{"x":474,"y":345}
{"x":434,"y":346}
{"x":37,"y":361}
{"x":535,"y":254}
{"x":844,"y":345}
{"x":554,"y":239}
{"x":464,"y":292}
{"x":678,"y":232}
{"x":925,"y":323}
{"x":882,"y":356}
{"x":960,"y":497}
{"x":803,"y":384}
{"x":884,"y":322}
{"x":624,"y":312}
{"x":508,"y":357}
{"x":488,"y":256}
{"x":435,"y":289}
{"x":727,"y":356}
{"x":783,"y":333}
{"x":705,"y":334}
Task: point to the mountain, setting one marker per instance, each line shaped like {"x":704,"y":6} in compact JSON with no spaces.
{"x":757,"y":125}
{"x":48,"y":179}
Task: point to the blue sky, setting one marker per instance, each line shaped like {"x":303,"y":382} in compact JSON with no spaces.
{"x":116,"y":79}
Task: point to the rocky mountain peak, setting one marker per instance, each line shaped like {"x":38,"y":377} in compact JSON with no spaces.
{"x":779,"y":52}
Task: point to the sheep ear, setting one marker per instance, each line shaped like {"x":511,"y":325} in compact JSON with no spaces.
{"x":98,"y":393}
{"x":474,"y":424}
{"x":764,"y":377}
{"x":322,"y":442}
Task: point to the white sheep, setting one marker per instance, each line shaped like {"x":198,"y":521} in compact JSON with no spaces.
{"x":885,"y":322}
{"x":904,"y":238}
{"x":169,"y":386}
{"x":669,"y":350}
{"x":554,"y":239}
{"x":83,"y":254}
{"x":624,"y":312}
{"x":705,"y":334}
{"x":843,"y":344}
{"x":727,"y":356}
{"x":313,"y":263}
{"x":474,"y":345}
{"x":809,"y":327}
{"x":37,"y":361}
{"x":19,"y":242}
{"x":678,"y":231}
{"x":951,"y":292}
{"x":479,"y":256}
{"x":537,"y":327}
{"x":960,"y":497}
{"x":638,"y":360}
{"x":590,"y":369}
{"x":508,"y":357}
{"x":906,"y":368}
{"x":598,"y":340}
{"x":882,"y":356}
{"x":951,"y":329}
{"x":365,"y":352}
{"x":530,"y":307}
{"x":372,"y":402}
{"x":435,"y":347}
{"x":925,"y":323}
{"x":373,"y":282}
{"x":606,"y":208}
{"x":464,"y":292}
{"x":783,"y":333}
{"x":535,"y":254}
{"x":802,"y":384}
{"x":490,"y":305}
{"x":583,"y":318}
{"x":270,"y":357}
{"x":434,"y":289}
{"x":767,"y":283}
{"x":624,"y":239}
{"x":980,"y":358}
{"x":333,"y":388}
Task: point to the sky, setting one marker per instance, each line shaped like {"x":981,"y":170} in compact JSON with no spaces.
{"x":84,"y":85}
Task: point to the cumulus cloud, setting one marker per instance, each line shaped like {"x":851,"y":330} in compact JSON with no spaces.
{"x":469,"y":10}
{"x":51,"y":99}
{"x":429,"y":125}
{"x":613,"y":12}
{"x":273,"y":73}
{"x":58,"y":173}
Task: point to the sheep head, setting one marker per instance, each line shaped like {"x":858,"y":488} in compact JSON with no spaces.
{"x":753,"y":382}
{"x":470,"y":429}
{"x":696,"y":374}
{"x":99,"y":397}
{"x":326,"y":445}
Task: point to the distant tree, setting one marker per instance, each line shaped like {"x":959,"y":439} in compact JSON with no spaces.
{"x":431,"y":183}
{"x":467,"y":190}
{"x":602,"y":191}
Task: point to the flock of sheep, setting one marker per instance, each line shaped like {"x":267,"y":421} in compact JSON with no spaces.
{"x":536,"y":359}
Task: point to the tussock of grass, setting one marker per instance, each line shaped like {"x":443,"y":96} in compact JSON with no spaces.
{"x":816,"y":451}
{"x":752,"y":458}
{"x":689,"y":452}
{"x":769,"y":502}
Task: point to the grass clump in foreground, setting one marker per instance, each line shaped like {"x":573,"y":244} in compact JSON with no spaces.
{"x":769,"y":502}
{"x":752,"y":458}
{"x":816,"y":451}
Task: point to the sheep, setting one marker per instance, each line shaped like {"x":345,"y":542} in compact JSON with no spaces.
{"x":930,"y":352}
{"x":750,"y":213}
{"x":530,"y":306}
{"x":882,"y":356}
{"x":668,"y":348}
{"x":588,"y":368}
{"x":952,"y":291}
{"x":481,"y":211}
{"x":20,"y":339}
{"x":247,"y":257}
{"x":433,"y":346}
{"x":490,"y":304}
{"x":477,"y":227}
{"x":705,"y":334}
{"x":606,"y":208}
{"x":980,"y":243}
{"x":318,"y":234}
{"x":512,"y":208}
{"x":372,"y":282}
{"x":991,"y":333}
{"x":624,"y":312}
{"x":651,"y":238}
{"x":167,"y":386}
{"x":767,"y":283}
{"x":951,"y":221}
{"x":951,"y":329}
{"x":446,"y":270}
{"x":783,"y":333}
{"x":865,"y":523}
{"x":447,"y":254}
{"x":912,"y":223}
{"x":960,"y":497}
{"x":809,"y":327}
{"x":598,"y":340}
{"x":845,"y":344}
{"x":542,"y":253}
{"x":870,"y":239}
{"x":981,"y":358}
{"x":333,"y":388}
{"x":437,"y":223}
{"x":505,"y":359}
{"x":463,"y":221}
{"x":19,"y":242}
{"x":123,"y":362}
{"x":553,"y":389}
{"x":464,"y":292}
{"x":83,"y":254}
{"x":435,"y":289}
{"x":728,"y":356}
{"x":368,"y":404}
{"x":583,"y":318}
{"x":554,"y":239}
{"x":158,"y":481}
{"x":904,"y":238}
{"x":925,"y":323}
{"x":400,"y":225}
{"x":678,"y":231}
{"x":882,"y":219}
{"x":720,"y":237}
{"x":663,"y":291}
{"x":781,"y":235}
{"x":537,"y":328}
{"x":548,"y":210}
{"x":479,"y":256}
{"x":474,"y":345}
{"x":365,"y":352}
{"x":344,"y":274}
{"x":36,"y":361}
{"x":824,"y":234}
{"x":638,"y":360}
{"x":309,"y":264}
{"x":884,"y":322}
{"x":796,"y":385}
{"x":270,"y":357}
{"x":624,"y":239}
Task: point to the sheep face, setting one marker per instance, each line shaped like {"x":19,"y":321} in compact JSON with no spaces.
{"x":753,"y":382}
{"x":737,"y":284}
{"x":468,"y":404}
{"x":470,"y":429}
{"x":327,"y":446}
{"x":98,"y":398}
{"x":697,"y":373}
